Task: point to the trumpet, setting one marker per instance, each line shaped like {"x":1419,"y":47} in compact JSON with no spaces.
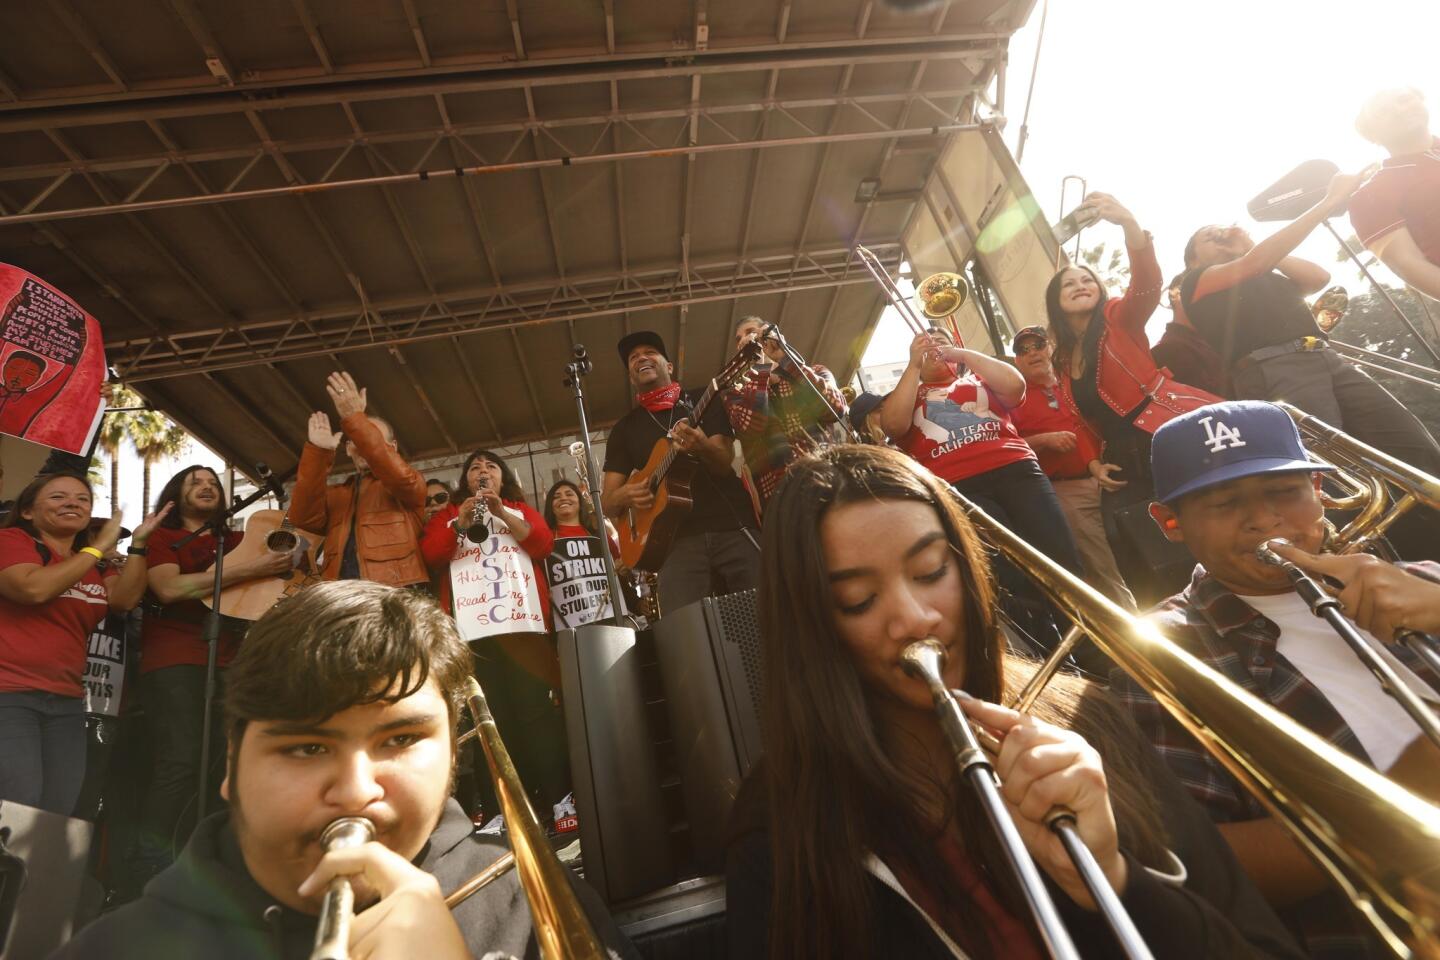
{"x":337,"y":909}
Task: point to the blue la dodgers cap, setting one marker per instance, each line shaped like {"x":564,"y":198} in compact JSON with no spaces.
{"x":1222,"y":442}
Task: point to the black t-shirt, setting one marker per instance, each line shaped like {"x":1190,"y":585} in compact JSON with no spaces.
{"x":1262,"y":311}
{"x":721,"y":503}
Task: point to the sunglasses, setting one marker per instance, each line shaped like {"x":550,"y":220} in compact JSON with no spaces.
{"x":437,"y":499}
{"x":1030,"y":346}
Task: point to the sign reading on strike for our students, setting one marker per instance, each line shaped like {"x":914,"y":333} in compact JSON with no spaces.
{"x":579,"y":589}
{"x":104,"y":673}
{"x":493,"y":583}
{"x":52,"y":364}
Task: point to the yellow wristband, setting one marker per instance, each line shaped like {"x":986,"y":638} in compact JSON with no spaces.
{"x":93,"y":552}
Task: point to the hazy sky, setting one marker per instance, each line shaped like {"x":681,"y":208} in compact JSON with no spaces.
{"x":1185,"y":111}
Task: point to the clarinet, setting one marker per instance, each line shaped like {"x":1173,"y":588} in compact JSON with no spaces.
{"x":479,"y":530}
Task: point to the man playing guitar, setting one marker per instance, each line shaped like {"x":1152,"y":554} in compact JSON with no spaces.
{"x":174,"y":653}
{"x":715,"y":548}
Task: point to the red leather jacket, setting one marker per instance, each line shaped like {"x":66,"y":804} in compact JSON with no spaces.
{"x":1128,"y":376}
{"x":389,"y":508}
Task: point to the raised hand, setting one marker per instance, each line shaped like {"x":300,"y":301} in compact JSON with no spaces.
{"x":319,"y":432}
{"x":148,"y":525}
{"x":347,"y":397}
{"x":1108,"y":208}
{"x":108,"y":535}
{"x":1343,"y":186}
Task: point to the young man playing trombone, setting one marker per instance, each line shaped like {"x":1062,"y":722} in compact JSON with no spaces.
{"x":342,"y":703}
{"x":1230,"y":478}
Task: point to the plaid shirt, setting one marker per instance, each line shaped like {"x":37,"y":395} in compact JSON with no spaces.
{"x":1239,"y":643}
{"x":778,"y":418}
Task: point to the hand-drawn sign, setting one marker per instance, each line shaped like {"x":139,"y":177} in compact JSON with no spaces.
{"x":493,"y":583}
{"x":52,"y":364}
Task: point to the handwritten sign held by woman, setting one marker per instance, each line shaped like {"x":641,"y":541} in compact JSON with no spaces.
{"x":493,"y":583}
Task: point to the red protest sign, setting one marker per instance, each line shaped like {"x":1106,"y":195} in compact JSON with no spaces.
{"x":52,"y":364}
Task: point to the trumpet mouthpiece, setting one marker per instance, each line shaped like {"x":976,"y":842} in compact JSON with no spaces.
{"x":1266,"y":555}
{"x":347,"y":832}
{"x":924,"y":659}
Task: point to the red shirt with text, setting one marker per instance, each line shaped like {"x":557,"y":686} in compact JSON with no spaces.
{"x":961,"y":429}
{"x":44,"y":646}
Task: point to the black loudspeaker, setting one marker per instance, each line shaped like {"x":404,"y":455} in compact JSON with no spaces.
{"x":42,"y":870}
{"x":624,"y":831}
{"x":711,"y":663}
{"x":1294,"y":193}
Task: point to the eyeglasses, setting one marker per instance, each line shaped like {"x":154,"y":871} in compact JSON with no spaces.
{"x":1032,"y":346}
{"x":437,"y":499}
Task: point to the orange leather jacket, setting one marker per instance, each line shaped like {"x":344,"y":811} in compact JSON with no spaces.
{"x":388,"y":505}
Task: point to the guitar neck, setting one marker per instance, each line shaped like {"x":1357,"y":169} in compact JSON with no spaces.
{"x":698,"y":414}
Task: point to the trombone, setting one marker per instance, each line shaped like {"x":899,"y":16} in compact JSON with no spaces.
{"x":562,"y":928}
{"x":941,"y":296}
{"x":1377,"y":841}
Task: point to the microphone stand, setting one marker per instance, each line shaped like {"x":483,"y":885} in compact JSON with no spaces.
{"x":1326,"y":607}
{"x":575,"y":371}
{"x":1375,"y":285}
{"x":219,"y":525}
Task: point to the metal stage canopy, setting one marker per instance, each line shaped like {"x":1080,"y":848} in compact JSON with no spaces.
{"x":444,"y":197}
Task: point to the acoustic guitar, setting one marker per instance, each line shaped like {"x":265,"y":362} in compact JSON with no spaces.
{"x":266,"y":532}
{"x":646,"y":536}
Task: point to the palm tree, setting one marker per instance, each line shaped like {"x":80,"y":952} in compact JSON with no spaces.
{"x":115,"y":429}
{"x":156,"y":437}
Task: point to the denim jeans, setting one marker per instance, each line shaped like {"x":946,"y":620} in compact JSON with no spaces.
{"x":42,"y":749}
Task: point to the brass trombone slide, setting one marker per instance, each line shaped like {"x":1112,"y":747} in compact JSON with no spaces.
{"x":1376,"y":840}
{"x":561,"y":925}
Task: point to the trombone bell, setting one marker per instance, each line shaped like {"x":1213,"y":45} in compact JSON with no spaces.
{"x":942,"y":294}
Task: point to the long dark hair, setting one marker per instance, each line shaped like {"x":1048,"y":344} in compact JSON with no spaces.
{"x":170,"y":493}
{"x":833,"y":793}
{"x":1061,"y":333}
{"x":31,"y":493}
{"x":510,"y":488}
{"x":587,"y":512}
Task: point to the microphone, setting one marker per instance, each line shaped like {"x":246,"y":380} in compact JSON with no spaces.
{"x":268,"y":480}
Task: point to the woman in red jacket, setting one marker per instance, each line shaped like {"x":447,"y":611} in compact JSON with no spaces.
{"x":518,"y":671}
{"x":1108,"y":377}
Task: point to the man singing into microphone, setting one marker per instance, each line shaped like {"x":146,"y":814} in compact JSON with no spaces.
{"x":373,"y":521}
{"x":1396,"y":213}
{"x":343,"y":702}
{"x":1230,"y":477}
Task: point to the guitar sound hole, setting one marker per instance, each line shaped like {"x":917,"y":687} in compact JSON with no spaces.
{"x":281,"y":541}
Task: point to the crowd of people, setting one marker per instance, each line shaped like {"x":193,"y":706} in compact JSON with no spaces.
{"x":1154,"y":473}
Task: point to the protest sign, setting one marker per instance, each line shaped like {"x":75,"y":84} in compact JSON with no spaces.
{"x":52,"y":365}
{"x":579,"y":590}
{"x":493,"y":583}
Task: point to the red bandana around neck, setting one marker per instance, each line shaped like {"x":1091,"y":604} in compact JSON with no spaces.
{"x":659,"y":399}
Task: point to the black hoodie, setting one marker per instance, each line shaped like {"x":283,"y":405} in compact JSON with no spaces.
{"x":207,"y":905}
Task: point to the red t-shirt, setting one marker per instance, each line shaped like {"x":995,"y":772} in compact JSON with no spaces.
{"x":961,"y":429}
{"x":1042,"y":412}
{"x":1405,"y":192}
{"x":175,"y":636}
{"x":43,"y":647}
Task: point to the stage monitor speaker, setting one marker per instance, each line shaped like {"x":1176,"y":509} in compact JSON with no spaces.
{"x":1294,"y":193}
{"x":710,"y":660}
{"x":41,"y":877}
{"x":624,"y":832}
